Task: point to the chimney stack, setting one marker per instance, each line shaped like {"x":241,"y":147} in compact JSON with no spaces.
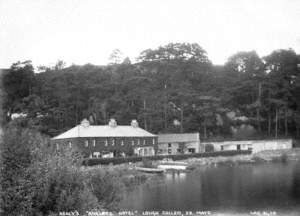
{"x":112,"y":123}
{"x":134,"y":123}
{"x":85,"y":123}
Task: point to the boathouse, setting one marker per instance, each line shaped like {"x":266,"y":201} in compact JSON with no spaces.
{"x":110,"y":140}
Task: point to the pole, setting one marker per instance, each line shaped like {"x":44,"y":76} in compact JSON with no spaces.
{"x":181,"y":117}
{"x":165,"y":107}
{"x":145,"y":123}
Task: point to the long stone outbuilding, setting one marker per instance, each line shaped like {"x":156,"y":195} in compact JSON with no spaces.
{"x":253,"y":145}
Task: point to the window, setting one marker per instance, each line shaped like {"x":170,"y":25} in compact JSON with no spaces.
{"x":86,"y":143}
{"x":169,"y":151}
{"x":57,"y":146}
{"x":132,"y":142}
{"x":106,"y":142}
{"x":153,"y":141}
{"x":122,"y":142}
{"x":70,"y":144}
{"x":191,"y":150}
{"x":144,"y":142}
{"x":138,"y":141}
{"x":113,"y":142}
{"x":94,"y":143}
{"x":169,"y":145}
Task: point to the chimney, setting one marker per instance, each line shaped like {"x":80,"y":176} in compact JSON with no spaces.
{"x":112,"y":123}
{"x":134,"y":123}
{"x":85,"y":123}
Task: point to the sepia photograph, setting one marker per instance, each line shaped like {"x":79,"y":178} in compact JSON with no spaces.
{"x":149,"y":107}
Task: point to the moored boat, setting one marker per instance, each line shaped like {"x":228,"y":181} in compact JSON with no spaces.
{"x":168,"y":164}
{"x":172,"y":166}
{"x":150,"y":170}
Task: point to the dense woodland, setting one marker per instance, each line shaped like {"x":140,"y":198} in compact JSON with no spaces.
{"x":174,"y":88}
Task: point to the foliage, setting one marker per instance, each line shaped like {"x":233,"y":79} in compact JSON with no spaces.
{"x":36,"y":180}
{"x":147,"y":163}
{"x":107,"y":186}
{"x":19,"y":148}
{"x":173,"y":83}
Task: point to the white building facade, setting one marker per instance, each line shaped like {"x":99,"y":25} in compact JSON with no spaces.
{"x":253,"y":145}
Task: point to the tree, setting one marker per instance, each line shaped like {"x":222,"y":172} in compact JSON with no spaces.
{"x":60,"y":64}
{"x":175,"y":51}
{"x":248,"y":70}
{"x":18,"y":83}
{"x":116,"y":57}
{"x":282,"y":66}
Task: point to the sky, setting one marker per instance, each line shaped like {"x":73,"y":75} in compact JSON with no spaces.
{"x":87,"y":31}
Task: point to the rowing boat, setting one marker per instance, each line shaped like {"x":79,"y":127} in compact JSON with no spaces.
{"x":150,"y":170}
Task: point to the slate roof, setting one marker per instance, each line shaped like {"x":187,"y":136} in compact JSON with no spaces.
{"x":183,"y":137}
{"x":104,"y":131}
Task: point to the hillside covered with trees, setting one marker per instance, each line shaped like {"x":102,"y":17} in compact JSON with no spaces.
{"x":174,"y":88}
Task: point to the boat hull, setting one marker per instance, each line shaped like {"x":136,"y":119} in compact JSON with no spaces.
{"x":150,"y":170}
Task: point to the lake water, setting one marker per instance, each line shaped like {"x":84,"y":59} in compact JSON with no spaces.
{"x":238,"y":188}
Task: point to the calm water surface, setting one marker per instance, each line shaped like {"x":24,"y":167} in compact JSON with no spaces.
{"x":271,"y":186}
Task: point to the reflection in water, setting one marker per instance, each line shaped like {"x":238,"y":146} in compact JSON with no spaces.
{"x":231,"y":188}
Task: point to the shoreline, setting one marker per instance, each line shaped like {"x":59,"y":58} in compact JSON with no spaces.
{"x":132,"y":177}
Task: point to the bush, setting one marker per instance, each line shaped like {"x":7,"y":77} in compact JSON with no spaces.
{"x":107,"y":186}
{"x":60,"y":185}
{"x":19,"y":148}
{"x":147,"y":163}
{"x":36,"y":181}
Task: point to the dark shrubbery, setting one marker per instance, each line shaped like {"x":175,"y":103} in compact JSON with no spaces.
{"x":36,"y":181}
{"x":147,"y":163}
{"x":106,"y":161}
{"x":107,"y":186}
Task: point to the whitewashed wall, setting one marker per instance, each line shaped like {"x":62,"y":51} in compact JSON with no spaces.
{"x":256,"y":145}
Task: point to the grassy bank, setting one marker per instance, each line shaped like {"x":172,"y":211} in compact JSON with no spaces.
{"x":127,"y":173}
